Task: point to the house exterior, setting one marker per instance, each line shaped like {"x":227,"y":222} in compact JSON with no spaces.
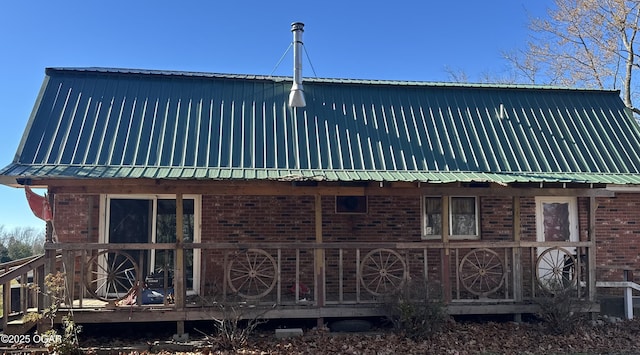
{"x":186,"y":189}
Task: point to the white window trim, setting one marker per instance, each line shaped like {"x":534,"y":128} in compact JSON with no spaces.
{"x":103,"y":236}
{"x":425,"y":236}
{"x":475,"y":236}
{"x":573,"y":215}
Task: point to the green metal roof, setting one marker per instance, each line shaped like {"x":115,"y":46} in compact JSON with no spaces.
{"x":120,"y":123}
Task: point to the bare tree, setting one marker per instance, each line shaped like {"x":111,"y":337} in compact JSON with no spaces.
{"x":485,"y":77}
{"x":583,"y":43}
{"x":456,"y":75}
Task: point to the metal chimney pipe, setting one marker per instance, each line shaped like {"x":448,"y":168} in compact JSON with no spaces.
{"x":296,"y":95}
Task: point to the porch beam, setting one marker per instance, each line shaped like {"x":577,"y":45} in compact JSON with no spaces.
{"x":313,"y":245}
{"x":110,"y":246}
{"x":278,"y":188}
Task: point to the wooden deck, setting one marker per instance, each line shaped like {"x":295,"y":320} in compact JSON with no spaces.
{"x":311,"y":280}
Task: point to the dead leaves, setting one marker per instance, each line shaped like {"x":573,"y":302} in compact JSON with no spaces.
{"x":460,"y":338}
{"x":467,"y":338}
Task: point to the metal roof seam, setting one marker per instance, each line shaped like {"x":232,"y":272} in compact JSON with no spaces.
{"x":241,"y":126}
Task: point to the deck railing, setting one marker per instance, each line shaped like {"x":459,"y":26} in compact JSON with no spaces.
{"x":627,"y":285}
{"x":24,"y":274}
{"x":321,"y":274}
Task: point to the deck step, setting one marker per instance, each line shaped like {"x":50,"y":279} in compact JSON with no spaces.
{"x":19,"y":326}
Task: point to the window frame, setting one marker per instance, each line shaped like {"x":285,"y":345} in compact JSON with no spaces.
{"x":423,"y":213}
{"x":447,"y":209}
{"x":362,"y":201}
{"x":573,"y":219}
{"x":476,"y":208}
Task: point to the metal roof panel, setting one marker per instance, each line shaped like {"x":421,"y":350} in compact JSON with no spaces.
{"x":97,"y":122}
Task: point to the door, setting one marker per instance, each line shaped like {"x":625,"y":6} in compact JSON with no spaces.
{"x":152,"y":219}
{"x":557,"y":221}
{"x":130,"y":222}
{"x":166,"y":233}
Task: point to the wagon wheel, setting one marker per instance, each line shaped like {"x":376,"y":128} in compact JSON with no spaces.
{"x":481,"y":272}
{"x":111,"y":275}
{"x":252,"y":274}
{"x":382,"y":271}
{"x":556,"y":270}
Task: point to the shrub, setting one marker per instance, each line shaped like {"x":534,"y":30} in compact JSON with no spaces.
{"x":561,"y":311}
{"x":234,"y":324}
{"x":413,"y":313}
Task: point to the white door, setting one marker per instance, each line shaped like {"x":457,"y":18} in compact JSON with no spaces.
{"x":556,"y":221}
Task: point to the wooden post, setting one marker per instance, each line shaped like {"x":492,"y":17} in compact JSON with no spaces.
{"x":319,"y":259}
{"x":49,"y":268}
{"x":591,"y":255}
{"x":24,"y":293}
{"x":6,"y":302}
{"x":517,"y":256}
{"x":179,"y":269}
{"x":69,"y":269}
{"x":446,"y":257}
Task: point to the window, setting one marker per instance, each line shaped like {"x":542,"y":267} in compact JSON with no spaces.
{"x":432,"y":217}
{"x":351,"y":204}
{"x":462,"y":217}
{"x":556,"y":219}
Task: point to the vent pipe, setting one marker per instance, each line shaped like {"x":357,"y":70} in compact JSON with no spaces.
{"x":296,"y":96}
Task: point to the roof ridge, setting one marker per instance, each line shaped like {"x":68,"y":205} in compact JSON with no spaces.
{"x":280,"y":78}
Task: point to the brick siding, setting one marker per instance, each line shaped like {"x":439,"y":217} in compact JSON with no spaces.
{"x":267,"y":219}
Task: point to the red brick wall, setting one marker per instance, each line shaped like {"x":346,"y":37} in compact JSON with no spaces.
{"x":389,"y":219}
{"x":618,"y":235}
{"x":383,"y":222}
{"x":76,"y":218}
{"x":265,"y":219}
{"x":496,"y":222}
{"x":230,"y":219}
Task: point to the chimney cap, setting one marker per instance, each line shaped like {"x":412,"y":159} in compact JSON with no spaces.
{"x":297,"y":26}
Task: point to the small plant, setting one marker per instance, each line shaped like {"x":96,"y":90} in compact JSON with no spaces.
{"x":234,"y":325}
{"x":561,"y":311}
{"x":413,"y":313}
{"x":67,"y":342}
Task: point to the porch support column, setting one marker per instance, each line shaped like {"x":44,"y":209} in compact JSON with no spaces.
{"x":591,"y":255}
{"x":178,"y":273}
{"x":445,"y":252}
{"x":50,"y":256}
{"x":319,"y":258}
{"x":517,"y":256}
{"x":48,"y":268}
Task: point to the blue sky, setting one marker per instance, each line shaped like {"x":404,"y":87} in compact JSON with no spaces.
{"x":398,"y":40}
